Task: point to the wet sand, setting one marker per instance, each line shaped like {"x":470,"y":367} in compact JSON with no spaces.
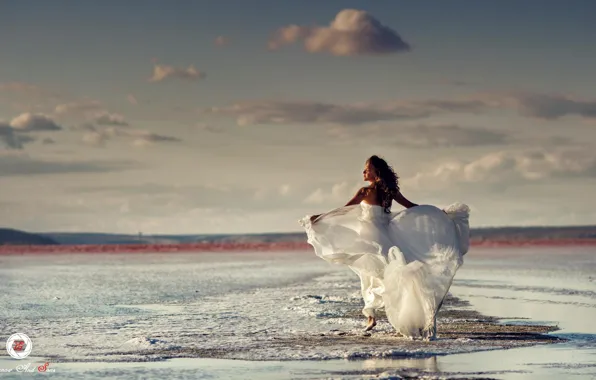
{"x":382,"y":354}
{"x":460,"y":329}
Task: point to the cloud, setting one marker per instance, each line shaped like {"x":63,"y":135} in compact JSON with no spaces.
{"x":12,"y":140}
{"x":312,"y":112}
{"x":87,"y":126}
{"x":296,"y":112}
{"x":552,"y":107}
{"x":78,"y":108}
{"x":26,"y":97}
{"x":98,"y":136}
{"x":503,"y":168}
{"x":132,"y":99}
{"x":555,"y":141}
{"x":221,"y":41}
{"x":146,"y":139}
{"x":352,"y":32}
{"x":95,"y":138}
{"x":285,"y":189}
{"x":535,"y":105}
{"x":209,"y":128}
{"x":163,"y":72}
{"x":28,"y":122}
{"x":338,"y":194}
{"x":450,"y":105}
{"x":23,"y":166}
{"x":267,"y":193}
{"x":15,"y":134}
{"x":444,"y":136}
{"x":106,"y":118}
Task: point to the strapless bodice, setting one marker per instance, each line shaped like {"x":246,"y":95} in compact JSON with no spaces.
{"x":373,"y":213}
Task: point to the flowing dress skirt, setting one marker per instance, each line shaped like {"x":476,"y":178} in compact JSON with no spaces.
{"x":406,"y":260}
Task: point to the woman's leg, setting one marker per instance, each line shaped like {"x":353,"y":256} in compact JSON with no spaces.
{"x":373,"y":301}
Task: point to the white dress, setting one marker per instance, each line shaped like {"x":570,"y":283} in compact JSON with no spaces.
{"x":406,"y":260}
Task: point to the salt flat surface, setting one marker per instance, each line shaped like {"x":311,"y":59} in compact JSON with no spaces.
{"x":96,"y":315}
{"x":151,"y":307}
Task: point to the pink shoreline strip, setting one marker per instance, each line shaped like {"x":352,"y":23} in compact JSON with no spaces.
{"x":231,"y":247}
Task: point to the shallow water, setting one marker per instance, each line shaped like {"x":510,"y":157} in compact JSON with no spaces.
{"x":534,"y":285}
{"x":100,"y":308}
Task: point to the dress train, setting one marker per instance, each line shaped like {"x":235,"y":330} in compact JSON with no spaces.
{"x":406,"y":260}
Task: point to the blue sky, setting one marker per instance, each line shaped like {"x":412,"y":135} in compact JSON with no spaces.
{"x":491,"y":95}
{"x":494,"y":43}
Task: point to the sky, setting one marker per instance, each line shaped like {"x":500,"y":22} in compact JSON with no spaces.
{"x":192,"y":117}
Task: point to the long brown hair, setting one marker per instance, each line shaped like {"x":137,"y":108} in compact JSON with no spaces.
{"x":387,"y":184}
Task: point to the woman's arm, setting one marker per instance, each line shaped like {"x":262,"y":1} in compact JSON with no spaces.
{"x":356,"y":199}
{"x":399,"y":198}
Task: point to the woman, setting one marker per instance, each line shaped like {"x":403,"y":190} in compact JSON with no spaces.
{"x":406,"y":261}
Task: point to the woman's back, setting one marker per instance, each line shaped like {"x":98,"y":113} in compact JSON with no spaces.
{"x":377,"y":196}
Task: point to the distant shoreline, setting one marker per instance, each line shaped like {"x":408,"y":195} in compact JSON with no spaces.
{"x":231,"y":247}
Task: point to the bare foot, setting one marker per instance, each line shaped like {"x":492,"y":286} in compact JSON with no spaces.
{"x":371,"y":324}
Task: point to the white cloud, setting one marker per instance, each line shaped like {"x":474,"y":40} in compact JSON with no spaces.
{"x":310,"y":112}
{"x":266,"y":193}
{"x":505,"y":168}
{"x":316,"y":197}
{"x":106,"y":118}
{"x":28,"y":122}
{"x":352,"y":32}
{"x":100,"y":135}
{"x":16,"y":133}
{"x":91,"y":111}
{"x":296,"y":112}
{"x":163,"y":72}
{"x":95,"y":138}
{"x":284,"y":189}
{"x":339,"y":194}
